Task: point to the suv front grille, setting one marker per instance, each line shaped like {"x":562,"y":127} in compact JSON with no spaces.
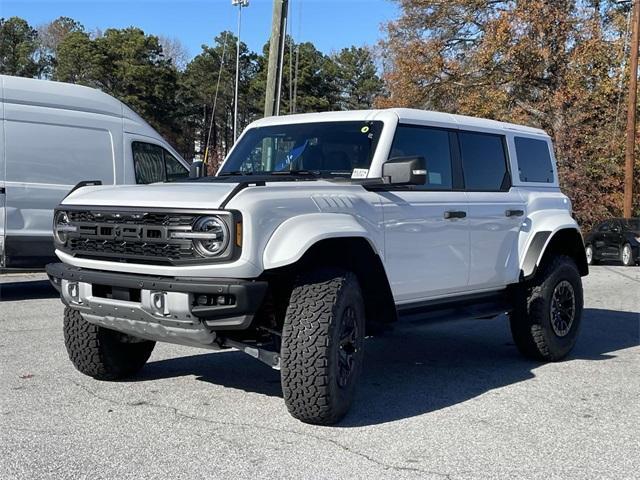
{"x":143,"y":237}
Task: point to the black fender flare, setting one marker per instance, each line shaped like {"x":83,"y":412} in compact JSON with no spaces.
{"x":567,"y":241}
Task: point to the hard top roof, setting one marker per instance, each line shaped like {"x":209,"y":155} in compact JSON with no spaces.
{"x":404,"y":115}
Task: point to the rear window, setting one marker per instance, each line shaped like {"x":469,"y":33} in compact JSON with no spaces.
{"x":534,"y":160}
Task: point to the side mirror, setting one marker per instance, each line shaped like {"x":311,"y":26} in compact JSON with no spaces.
{"x":197,"y":169}
{"x":405,"y":171}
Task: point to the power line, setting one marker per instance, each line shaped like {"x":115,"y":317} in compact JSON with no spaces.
{"x":215,"y":98}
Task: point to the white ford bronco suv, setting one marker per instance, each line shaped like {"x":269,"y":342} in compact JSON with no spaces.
{"x":317,"y":230}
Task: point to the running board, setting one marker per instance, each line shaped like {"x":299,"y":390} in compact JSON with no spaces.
{"x":478,"y":306}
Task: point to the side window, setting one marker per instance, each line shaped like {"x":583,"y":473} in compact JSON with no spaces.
{"x":484,"y":162}
{"x":534,"y":160}
{"x":152,"y":164}
{"x":433,"y":145}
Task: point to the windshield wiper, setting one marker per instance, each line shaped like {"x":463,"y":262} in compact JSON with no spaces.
{"x":296,"y":172}
{"x":235,"y":173}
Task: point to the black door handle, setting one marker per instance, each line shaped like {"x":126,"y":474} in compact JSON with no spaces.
{"x":514,"y":213}
{"x":454,"y":214}
{"x":2,"y":190}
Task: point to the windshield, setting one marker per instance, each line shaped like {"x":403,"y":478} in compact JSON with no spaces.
{"x":632,"y":224}
{"x":328,"y":149}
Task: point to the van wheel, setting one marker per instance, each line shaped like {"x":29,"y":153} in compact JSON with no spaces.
{"x":102,"y":353}
{"x":546,"y":318}
{"x":322,"y":345}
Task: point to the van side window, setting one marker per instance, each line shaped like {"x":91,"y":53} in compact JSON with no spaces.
{"x":430,"y":143}
{"x":534,"y":160}
{"x":484,"y":162}
{"x":153,"y":164}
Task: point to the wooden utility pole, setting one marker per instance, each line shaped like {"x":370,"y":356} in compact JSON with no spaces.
{"x":631,"y":113}
{"x":276,"y":56}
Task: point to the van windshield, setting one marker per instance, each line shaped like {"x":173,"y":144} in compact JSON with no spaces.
{"x":327,"y":149}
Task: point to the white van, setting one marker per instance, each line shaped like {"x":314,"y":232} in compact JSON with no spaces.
{"x":53,"y":136}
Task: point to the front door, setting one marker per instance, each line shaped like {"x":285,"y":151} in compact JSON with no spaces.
{"x":426,"y":229}
{"x":614,"y":239}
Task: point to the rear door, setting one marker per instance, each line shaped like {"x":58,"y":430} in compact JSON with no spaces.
{"x":496,"y":210}
{"x":426,"y":229}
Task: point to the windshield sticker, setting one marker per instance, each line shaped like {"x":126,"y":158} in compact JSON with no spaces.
{"x":360,"y":173}
{"x":365,"y":129}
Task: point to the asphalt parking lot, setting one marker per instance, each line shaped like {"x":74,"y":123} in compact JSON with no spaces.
{"x":449,"y":400}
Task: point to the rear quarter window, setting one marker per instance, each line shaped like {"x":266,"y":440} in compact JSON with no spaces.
{"x":534,"y":160}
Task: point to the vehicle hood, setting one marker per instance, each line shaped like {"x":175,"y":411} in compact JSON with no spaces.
{"x":162,"y":195}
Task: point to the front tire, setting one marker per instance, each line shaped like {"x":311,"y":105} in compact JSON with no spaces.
{"x":102,"y":353}
{"x":322,"y":345}
{"x":626,"y":256}
{"x":546,"y":318}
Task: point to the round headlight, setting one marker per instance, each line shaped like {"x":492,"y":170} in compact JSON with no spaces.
{"x":214,"y":236}
{"x":61,"y":227}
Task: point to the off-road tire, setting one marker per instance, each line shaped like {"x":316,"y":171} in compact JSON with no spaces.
{"x":631,"y":261}
{"x":102,"y":353}
{"x":531,"y":319}
{"x":323,"y":303}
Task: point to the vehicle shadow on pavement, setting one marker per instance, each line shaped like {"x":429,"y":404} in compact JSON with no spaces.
{"x":231,"y":369}
{"x":416,"y":369}
{"x":27,"y":290}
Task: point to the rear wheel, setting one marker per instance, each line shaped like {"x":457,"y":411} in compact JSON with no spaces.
{"x":102,"y":353}
{"x":322,"y":345}
{"x":547,"y":315}
{"x":626,"y":255}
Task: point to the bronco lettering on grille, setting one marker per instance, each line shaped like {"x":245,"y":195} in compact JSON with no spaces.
{"x":131,"y":236}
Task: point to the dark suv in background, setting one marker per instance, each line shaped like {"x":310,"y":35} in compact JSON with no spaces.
{"x":614,"y":239}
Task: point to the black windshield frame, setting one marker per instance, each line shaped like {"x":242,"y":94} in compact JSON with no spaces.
{"x":326,"y":149}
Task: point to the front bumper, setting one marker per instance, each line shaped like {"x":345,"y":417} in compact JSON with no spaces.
{"x":159,"y":308}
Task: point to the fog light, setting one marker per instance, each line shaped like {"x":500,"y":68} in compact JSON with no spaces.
{"x":214,"y":300}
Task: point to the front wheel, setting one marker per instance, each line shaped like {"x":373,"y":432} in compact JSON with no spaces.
{"x":322,"y":345}
{"x":102,"y":353}
{"x":589,"y":254}
{"x":626,"y":255}
{"x":546,"y":318}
